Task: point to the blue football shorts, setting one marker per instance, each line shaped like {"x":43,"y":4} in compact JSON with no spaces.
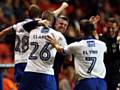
{"x":91,"y":84}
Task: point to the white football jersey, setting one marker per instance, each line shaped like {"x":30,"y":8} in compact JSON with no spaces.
{"x":21,"y":42}
{"x":88,"y":58}
{"x":42,"y":54}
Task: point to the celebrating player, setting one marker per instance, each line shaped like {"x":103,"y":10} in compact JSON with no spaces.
{"x":39,"y":73}
{"x":22,"y":36}
{"x":21,"y":42}
{"x":88,"y":58}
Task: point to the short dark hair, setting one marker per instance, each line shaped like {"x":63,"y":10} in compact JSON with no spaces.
{"x":34,"y":11}
{"x":87,"y":27}
{"x":112,"y":20}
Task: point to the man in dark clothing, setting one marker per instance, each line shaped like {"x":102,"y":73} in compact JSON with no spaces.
{"x":112,"y":57}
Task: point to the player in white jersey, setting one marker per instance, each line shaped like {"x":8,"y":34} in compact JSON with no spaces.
{"x":88,"y":58}
{"x":39,"y":73}
{"x":21,"y":42}
{"x":20,"y":50}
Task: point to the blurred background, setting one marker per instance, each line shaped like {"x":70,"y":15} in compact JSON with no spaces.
{"x":14,"y":11}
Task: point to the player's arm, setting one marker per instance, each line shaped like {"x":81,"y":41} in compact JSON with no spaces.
{"x":33,"y":24}
{"x":67,"y":50}
{"x":61,"y":8}
{"x":5,"y":31}
{"x":55,"y":43}
{"x":95,"y":20}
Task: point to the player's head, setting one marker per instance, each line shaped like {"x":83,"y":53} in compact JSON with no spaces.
{"x":86,"y":28}
{"x":61,"y":24}
{"x":112,"y":22}
{"x":112,"y":26}
{"x":34,"y":11}
{"x":48,"y":15}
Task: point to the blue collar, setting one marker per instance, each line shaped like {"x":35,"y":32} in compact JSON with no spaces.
{"x":88,"y":37}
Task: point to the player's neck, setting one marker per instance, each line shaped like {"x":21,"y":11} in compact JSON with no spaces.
{"x":89,"y":37}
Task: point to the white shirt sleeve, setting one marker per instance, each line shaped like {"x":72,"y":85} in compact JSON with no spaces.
{"x":18,"y":27}
{"x":14,"y":27}
{"x":71,"y":48}
{"x":62,"y":40}
{"x":105,"y":47}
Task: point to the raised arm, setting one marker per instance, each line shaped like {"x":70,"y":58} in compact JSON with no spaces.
{"x":95,"y":20}
{"x":61,"y":8}
{"x":33,"y":24}
{"x":5,"y":31}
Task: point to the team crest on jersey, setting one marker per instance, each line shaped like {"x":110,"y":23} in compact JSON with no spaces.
{"x":45,"y":30}
{"x":91,"y":43}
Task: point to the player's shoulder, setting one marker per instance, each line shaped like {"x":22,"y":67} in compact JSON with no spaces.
{"x":52,"y":30}
{"x":76,"y":43}
{"x":23,"y":22}
{"x":56,"y":32}
{"x":100,"y":42}
{"x":19,"y":24}
{"x":95,"y":40}
{"x":45,"y":29}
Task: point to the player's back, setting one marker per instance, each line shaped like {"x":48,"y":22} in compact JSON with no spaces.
{"x":42,"y":54}
{"x":21,"y":42}
{"x":89,"y":56}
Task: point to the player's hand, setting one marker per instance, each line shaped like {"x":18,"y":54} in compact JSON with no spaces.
{"x":44,"y":22}
{"x":91,"y":18}
{"x":65,"y":4}
{"x":118,"y":39}
{"x":94,"y":19}
{"x":52,"y":40}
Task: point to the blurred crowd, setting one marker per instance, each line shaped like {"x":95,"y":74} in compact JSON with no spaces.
{"x":108,"y":29}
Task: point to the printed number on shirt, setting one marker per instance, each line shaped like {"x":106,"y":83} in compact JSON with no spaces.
{"x":44,"y":54}
{"x":22,"y":44}
{"x":93,"y":61}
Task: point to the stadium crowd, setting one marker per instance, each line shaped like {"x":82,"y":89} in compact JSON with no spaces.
{"x":107,"y":28}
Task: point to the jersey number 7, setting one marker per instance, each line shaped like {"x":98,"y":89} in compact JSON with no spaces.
{"x":93,"y":59}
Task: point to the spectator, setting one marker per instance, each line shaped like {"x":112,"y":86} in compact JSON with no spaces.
{"x":89,"y":56}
